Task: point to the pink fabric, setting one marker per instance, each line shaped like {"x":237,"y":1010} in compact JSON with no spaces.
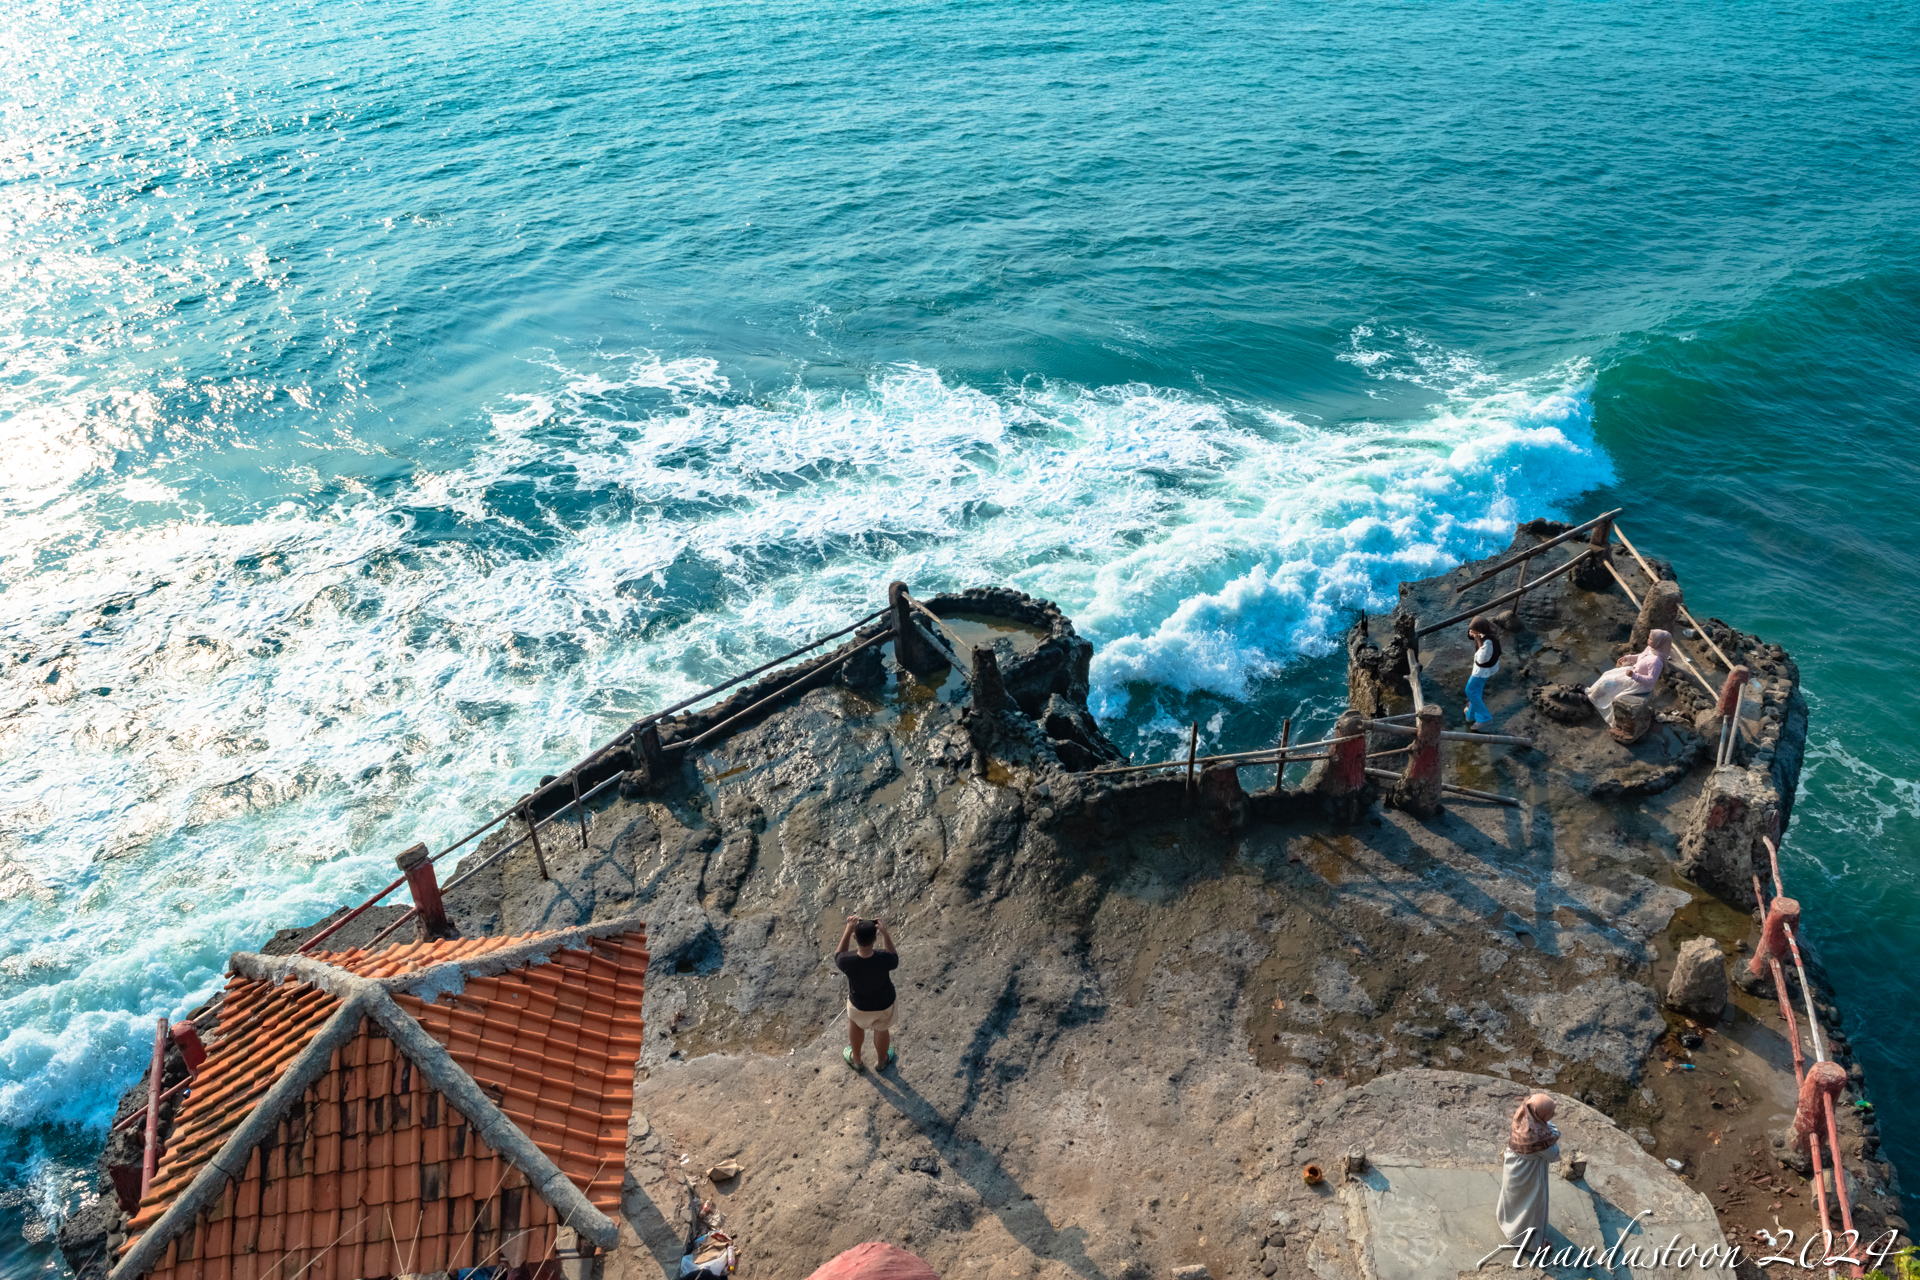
{"x":1652,"y":660}
{"x":875,"y":1260}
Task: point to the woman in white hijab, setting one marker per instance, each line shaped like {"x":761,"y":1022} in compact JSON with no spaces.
{"x":1531,"y":1149}
{"x":1637,"y":674}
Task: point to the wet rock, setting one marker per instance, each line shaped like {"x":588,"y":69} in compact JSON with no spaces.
{"x":1699,"y":984}
{"x":1221,"y":798}
{"x":1659,"y":611}
{"x":1075,"y":738}
{"x":1609,"y":1022}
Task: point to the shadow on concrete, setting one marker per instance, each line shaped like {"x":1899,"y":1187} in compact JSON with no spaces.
{"x":999,"y":1190}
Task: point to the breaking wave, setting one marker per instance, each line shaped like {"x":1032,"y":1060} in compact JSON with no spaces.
{"x":213,"y":727}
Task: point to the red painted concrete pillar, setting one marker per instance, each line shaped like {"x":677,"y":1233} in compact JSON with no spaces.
{"x":418,"y":866}
{"x":1782,"y":914}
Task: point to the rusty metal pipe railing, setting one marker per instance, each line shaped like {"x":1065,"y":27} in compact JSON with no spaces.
{"x":150,"y":1159}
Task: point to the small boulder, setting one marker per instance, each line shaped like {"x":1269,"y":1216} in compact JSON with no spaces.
{"x":1699,"y":984}
{"x":1194,"y":1271}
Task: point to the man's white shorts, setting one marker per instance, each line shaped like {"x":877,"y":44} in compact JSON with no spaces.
{"x":877,"y":1020}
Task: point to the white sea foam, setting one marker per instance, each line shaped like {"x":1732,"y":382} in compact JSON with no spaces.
{"x":289,"y":701}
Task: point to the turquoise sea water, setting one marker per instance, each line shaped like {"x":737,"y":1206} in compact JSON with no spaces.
{"x":395,"y":399}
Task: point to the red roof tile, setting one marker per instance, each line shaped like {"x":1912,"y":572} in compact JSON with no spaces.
{"x":373,"y":1171}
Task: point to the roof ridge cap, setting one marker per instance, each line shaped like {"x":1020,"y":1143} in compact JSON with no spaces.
{"x":450,"y":975}
{"x":427,"y":983}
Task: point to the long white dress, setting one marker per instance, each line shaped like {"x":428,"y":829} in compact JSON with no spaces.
{"x":1523,"y":1197}
{"x":1612,"y":685}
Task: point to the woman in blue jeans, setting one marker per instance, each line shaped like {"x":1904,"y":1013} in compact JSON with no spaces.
{"x":1486,"y":665}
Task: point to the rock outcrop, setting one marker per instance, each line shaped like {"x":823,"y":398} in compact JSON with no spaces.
{"x":1699,"y":982}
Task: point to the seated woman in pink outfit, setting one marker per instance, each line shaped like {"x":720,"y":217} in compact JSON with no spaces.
{"x":1637,"y":674}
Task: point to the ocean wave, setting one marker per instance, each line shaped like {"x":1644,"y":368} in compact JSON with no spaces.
{"x":211,"y":729}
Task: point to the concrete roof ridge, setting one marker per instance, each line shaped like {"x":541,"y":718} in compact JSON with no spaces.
{"x":230,"y":1162}
{"x":450,"y":975}
{"x":446,"y":976}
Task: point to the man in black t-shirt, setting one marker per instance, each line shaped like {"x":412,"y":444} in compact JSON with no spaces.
{"x":869,"y":989}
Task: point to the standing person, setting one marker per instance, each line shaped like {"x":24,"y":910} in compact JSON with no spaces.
{"x":870,"y":994}
{"x":1486,"y":665}
{"x":1531,"y":1147}
{"x":1637,"y":674}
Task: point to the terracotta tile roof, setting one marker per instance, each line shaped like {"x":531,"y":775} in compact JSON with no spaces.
{"x":361,"y":1163}
{"x":412,"y":957}
{"x":261,"y":1029}
{"x":556,"y":1044}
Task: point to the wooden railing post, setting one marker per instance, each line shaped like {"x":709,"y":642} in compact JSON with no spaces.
{"x":1593,"y":573}
{"x":909,"y":650}
{"x":1193,"y":746}
{"x":533,"y":833}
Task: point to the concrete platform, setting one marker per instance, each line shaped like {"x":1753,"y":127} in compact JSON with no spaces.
{"x":1424,"y":1207}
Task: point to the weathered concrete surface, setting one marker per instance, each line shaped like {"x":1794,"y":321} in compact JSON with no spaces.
{"x":1711,"y":1090}
{"x":1117,"y":1011}
{"x":1424,"y":1207}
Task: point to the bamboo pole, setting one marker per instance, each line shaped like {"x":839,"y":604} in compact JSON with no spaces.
{"x":1691,"y":620}
{"x":533,"y":831}
{"x":1260,"y":756}
{"x":1452,"y":735}
{"x":1451,"y":789}
{"x":1233,"y":762}
{"x":1515,"y":594}
{"x":580,"y":810}
{"x":1535,"y":550}
{"x":1623,"y":584}
{"x":1413,"y":677}
{"x":784,"y":689}
{"x":945,"y":636}
{"x":1280,"y":766}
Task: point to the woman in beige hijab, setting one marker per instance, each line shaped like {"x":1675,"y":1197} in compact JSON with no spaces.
{"x":1531,"y":1148}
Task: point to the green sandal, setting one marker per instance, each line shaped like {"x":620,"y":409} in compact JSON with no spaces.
{"x":847,"y":1055}
{"x":893,"y":1057}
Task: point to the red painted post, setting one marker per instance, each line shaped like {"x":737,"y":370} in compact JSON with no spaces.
{"x":1730,"y":691}
{"x":187,"y":1036}
{"x":151,"y":1160}
{"x":418,"y":866}
{"x":1424,"y":764}
{"x":1347,"y":761}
